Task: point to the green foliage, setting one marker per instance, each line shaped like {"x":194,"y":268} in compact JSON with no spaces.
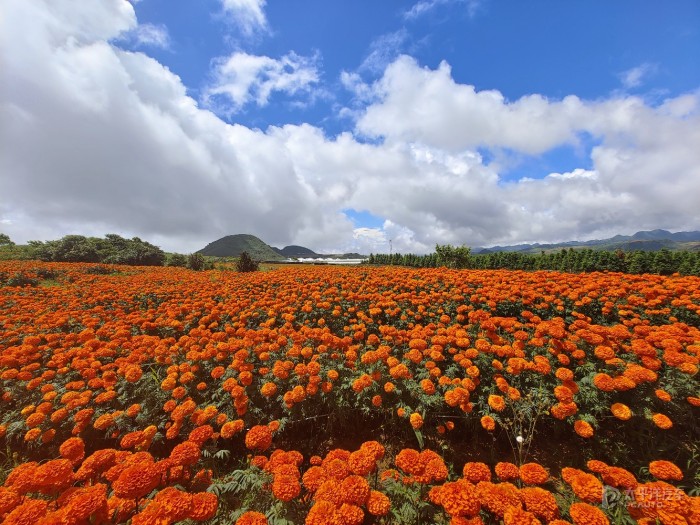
{"x":663,"y":262}
{"x":5,"y":240}
{"x":177,"y":259}
{"x":453,"y":257}
{"x":197,"y":262}
{"x":246,"y":264}
{"x":113,"y":249}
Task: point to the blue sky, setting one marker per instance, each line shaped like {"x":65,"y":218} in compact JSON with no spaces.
{"x":371,"y":115}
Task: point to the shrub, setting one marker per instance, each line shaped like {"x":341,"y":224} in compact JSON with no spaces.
{"x":246,"y":263}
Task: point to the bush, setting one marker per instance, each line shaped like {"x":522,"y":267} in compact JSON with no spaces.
{"x":246,"y":263}
{"x":177,"y":259}
{"x":196,"y":262}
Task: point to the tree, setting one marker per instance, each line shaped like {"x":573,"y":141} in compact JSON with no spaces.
{"x":246,"y":264}
{"x":177,"y":259}
{"x":453,"y":257}
{"x":196,"y":262}
{"x":5,"y":240}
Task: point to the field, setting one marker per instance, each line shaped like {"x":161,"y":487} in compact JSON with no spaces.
{"x":347,"y":396}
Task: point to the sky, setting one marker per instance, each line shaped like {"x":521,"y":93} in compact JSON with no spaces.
{"x":349,"y":126}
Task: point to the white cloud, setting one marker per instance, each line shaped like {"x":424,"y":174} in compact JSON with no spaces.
{"x":636,"y":76}
{"x":383,"y":50}
{"x":124,"y":149}
{"x":242,"y":78}
{"x":247,"y":15}
{"x":425,"y":6}
{"x":151,"y":35}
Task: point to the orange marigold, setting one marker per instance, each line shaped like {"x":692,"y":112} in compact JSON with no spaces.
{"x":258,"y":438}
{"x":621,"y":411}
{"x":662,"y":421}
{"x":416,"y":420}
{"x":583,"y":428}
{"x":252,"y":518}
{"x":507,"y":471}
{"x":533,"y":474}
{"x":488,"y":423}
{"x":72,"y":449}
{"x":496,"y":402}
{"x":518,"y":516}
{"x":585,"y":514}
{"x":204,"y":506}
{"x":665,"y":470}
{"x":476,"y":471}
{"x":378,"y":504}
{"x":540,"y":502}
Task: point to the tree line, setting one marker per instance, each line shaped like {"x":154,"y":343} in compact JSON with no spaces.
{"x":662,"y":262}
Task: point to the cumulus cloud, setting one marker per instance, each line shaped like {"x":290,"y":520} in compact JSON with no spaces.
{"x":247,"y":15}
{"x":96,"y":139}
{"x":242,"y":78}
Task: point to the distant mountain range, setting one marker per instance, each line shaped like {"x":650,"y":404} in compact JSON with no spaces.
{"x":644,"y":240}
{"x":234,"y":245}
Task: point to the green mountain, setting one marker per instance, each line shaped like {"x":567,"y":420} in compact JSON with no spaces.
{"x":296,"y":251}
{"x":648,"y":241}
{"x":234,"y":245}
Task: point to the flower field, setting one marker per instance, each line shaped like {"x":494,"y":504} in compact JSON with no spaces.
{"x":347,"y":396}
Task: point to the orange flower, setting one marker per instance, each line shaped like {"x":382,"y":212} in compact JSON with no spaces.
{"x":496,"y":402}
{"x":258,"y":438}
{"x":475,"y":472}
{"x":665,"y":470}
{"x":584,"y":514}
{"x":662,"y":421}
{"x":378,"y":504}
{"x":583,"y":428}
{"x":621,"y":411}
{"x":72,"y":449}
{"x":204,"y":506}
{"x":533,"y":474}
{"x":488,"y":423}
{"x":252,"y":518}
{"x":507,"y":471}
{"x":416,"y":420}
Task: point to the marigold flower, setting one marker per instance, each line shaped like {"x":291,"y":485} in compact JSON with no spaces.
{"x":540,"y":502}
{"x":72,"y":449}
{"x":583,"y":428}
{"x":378,"y":504}
{"x":29,"y":512}
{"x":136,"y":481}
{"x":665,"y":470}
{"x":252,"y":518}
{"x":585,"y":514}
{"x":488,"y":423}
{"x":518,"y":516}
{"x":416,"y":420}
{"x":507,"y":471}
{"x":231,"y":428}
{"x":9,"y":499}
{"x":185,"y":454}
{"x":476,"y":471}
{"x":496,"y":402}
{"x":533,"y":474}
{"x":355,"y":490}
{"x":662,"y":421}
{"x":204,"y":506}
{"x":621,"y":411}
{"x":258,"y":438}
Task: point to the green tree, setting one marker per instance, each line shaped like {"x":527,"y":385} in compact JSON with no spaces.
{"x":5,"y":240}
{"x":453,"y":257}
{"x":177,"y":259}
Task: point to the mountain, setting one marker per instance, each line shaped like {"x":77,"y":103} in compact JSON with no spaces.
{"x":296,"y":251}
{"x":652,"y":240}
{"x":234,"y":245}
